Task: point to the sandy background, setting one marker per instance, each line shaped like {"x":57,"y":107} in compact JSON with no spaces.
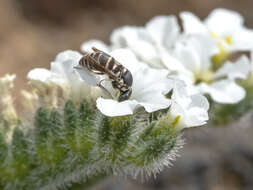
{"x":32,"y":32}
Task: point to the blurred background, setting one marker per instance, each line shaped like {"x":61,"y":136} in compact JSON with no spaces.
{"x":32,"y":32}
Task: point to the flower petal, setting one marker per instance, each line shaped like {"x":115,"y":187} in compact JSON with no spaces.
{"x":242,"y":40}
{"x":154,"y":101}
{"x":139,"y":41}
{"x":192,"y":24}
{"x":199,"y":100}
{"x":65,"y":62}
{"x":239,"y":69}
{"x":149,"y":88}
{"x":195,"y":52}
{"x":191,"y":110}
{"x":45,"y":76}
{"x":114,"y":108}
{"x":196,"y":117}
{"x":163,"y":29}
{"x":224,"y":91}
{"x":188,"y":56}
{"x":171,"y":62}
{"x":69,"y":55}
{"x":223,"y":21}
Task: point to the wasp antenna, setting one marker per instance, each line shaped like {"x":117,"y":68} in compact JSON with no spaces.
{"x":105,"y":90}
{"x":96,"y":50}
{"x":77,"y":67}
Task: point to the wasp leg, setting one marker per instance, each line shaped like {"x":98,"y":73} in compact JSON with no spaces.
{"x":106,"y":79}
{"x":98,"y":72}
{"x":78,"y":67}
{"x":105,"y":90}
{"x":82,"y":68}
{"x":117,"y":94}
{"x":101,"y":86}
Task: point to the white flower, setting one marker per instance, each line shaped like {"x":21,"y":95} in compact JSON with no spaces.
{"x":187,"y":110}
{"x":159,"y":34}
{"x":194,"y":53}
{"x":63,"y":74}
{"x":226,"y":26}
{"x":224,"y":88}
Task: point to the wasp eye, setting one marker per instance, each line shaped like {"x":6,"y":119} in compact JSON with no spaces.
{"x":125,"y":95}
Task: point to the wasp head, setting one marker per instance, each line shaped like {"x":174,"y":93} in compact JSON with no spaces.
{"x":125,"y":95}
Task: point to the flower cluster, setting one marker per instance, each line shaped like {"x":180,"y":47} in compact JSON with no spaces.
{"x":163,"y":58}
{"x":149,"y":89}
{"x":198,"y":55}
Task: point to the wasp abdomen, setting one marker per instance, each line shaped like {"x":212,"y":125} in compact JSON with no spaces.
{"x":100,"y":58}
{"x":110,"y":63}
{"x":117,"y":68}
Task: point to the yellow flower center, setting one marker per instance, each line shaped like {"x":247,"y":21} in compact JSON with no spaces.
{"x":176,"y":120}
{"x":223,"y":54}
{"x":229,"y":40}
{"x":214,"y":35}
{"x":205,"y":77}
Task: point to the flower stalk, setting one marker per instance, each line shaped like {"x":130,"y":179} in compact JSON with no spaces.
{"x":75,"y":143}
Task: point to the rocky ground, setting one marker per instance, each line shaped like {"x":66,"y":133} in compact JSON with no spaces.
{"x":33,"y":32}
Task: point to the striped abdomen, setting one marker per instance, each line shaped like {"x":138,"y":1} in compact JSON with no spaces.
{"x":104,"y":60}
{"x":114,"y":67}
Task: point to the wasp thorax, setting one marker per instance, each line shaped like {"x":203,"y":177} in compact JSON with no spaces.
{"x":99,"y":62}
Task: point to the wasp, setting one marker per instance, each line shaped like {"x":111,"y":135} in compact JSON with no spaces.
{"x":99,"y":62}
